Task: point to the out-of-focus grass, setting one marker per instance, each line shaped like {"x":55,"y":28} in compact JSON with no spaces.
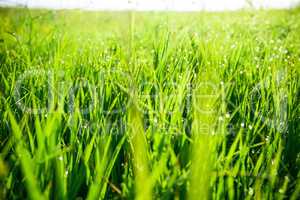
{"x":108,"y":105}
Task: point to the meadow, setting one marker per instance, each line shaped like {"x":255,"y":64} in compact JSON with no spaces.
{"x":149,"y":105}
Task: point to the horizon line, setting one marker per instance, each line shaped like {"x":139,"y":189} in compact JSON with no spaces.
{"x":140,"y":7}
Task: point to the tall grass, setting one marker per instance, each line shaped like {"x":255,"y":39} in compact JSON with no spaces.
{"x":108,"y":105}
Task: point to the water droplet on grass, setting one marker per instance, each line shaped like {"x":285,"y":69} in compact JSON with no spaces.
{"x":251,"y":191}
{"x":242,"y":124}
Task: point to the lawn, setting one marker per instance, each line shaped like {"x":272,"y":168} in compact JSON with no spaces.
{"x":149,"y":105}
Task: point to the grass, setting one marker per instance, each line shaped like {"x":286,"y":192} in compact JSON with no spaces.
{"x":120,"y":105}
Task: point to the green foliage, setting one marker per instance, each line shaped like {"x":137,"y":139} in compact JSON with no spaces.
{"x":122,"y":105}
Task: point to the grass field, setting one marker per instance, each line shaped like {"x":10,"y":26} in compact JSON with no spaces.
{"x":131,"y":105}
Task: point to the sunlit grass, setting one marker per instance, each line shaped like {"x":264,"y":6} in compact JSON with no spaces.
{"x":108,"y":105}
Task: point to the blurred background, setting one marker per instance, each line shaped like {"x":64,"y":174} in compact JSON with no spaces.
{"x":177,"y":5}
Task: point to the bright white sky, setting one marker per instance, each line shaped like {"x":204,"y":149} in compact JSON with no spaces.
{"x":179,"y":5}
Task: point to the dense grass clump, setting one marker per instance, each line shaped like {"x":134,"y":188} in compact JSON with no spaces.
{"x":107,"y":105}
